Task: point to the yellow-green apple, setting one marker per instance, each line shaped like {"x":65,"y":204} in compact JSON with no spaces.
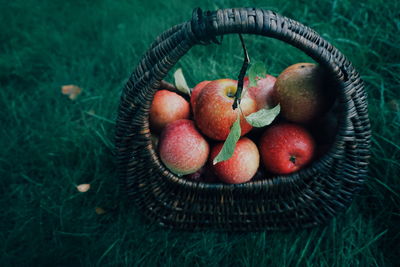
{"x":182,"y":148}
{"x":263,"y":93}
{"x":285,"y":148}
{"x":195,"y":93}
{"x":167,"y":107}
{"x":303,"y":91}
{"x":243,"y":164}
{"x":214,"y":114}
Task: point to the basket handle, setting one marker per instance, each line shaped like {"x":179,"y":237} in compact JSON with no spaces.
{"x":206,"y":26}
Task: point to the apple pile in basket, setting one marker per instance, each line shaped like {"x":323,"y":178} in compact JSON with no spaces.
{"x":280,"y":126}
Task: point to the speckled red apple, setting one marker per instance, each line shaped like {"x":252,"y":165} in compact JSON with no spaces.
{"x":214,"y":114}
{"x":195,"y":93}
{"x":286,"y":148}
{"x":243,"y":164}
{"x":182,"y":148}
{"x":263,"y":93}
{"x":204,"y":174}
{"x":167,"y":107}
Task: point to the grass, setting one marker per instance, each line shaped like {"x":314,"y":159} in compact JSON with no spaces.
{"x":49,"y":144}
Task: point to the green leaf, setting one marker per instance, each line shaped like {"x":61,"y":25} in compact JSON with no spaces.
{"x":263,"y":117}
{"x":180,"y":82}
{"x":256,"y":71}
{"x":230,"y":143}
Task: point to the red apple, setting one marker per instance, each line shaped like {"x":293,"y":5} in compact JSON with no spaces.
{"x":214,"y":114}
{"x":195,"y":93}
{"x":243,"y":164}
{"x":182,"y":148}
{"x":204,"y":174}
{"x":167,"y":107}
{"x":263,"y":93}
{"x":285,"y":148}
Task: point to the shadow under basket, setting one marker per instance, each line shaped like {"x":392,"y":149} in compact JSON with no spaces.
{"x":303,"y":199}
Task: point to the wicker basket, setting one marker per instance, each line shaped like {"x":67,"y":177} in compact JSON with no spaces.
{"x":304,"y":199}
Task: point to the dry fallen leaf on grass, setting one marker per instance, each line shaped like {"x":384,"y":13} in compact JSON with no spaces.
{"x":83,"y":188}
{"x":72,"y":91}
{"x":99,"y":211}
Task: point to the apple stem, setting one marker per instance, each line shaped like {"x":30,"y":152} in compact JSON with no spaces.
{"x":293,"y":159}
{"x":242,"y":73}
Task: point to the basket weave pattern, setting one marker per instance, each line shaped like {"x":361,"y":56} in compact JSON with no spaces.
{"x":304,"y":199}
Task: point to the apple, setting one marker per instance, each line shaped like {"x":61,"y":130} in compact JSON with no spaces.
{"x":204,"y":174}
{"x":167,"y":107}
{"x":285,"y":148}
{"x":214,"y":114}
{"x":182,"y":149}
{"x":263,"y":93}
{"x":304,"y":92}
{"x":195,"y":93}
{"x":243,"y":164}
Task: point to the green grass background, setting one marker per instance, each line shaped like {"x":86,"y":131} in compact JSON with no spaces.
{"x":49,"y":144}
